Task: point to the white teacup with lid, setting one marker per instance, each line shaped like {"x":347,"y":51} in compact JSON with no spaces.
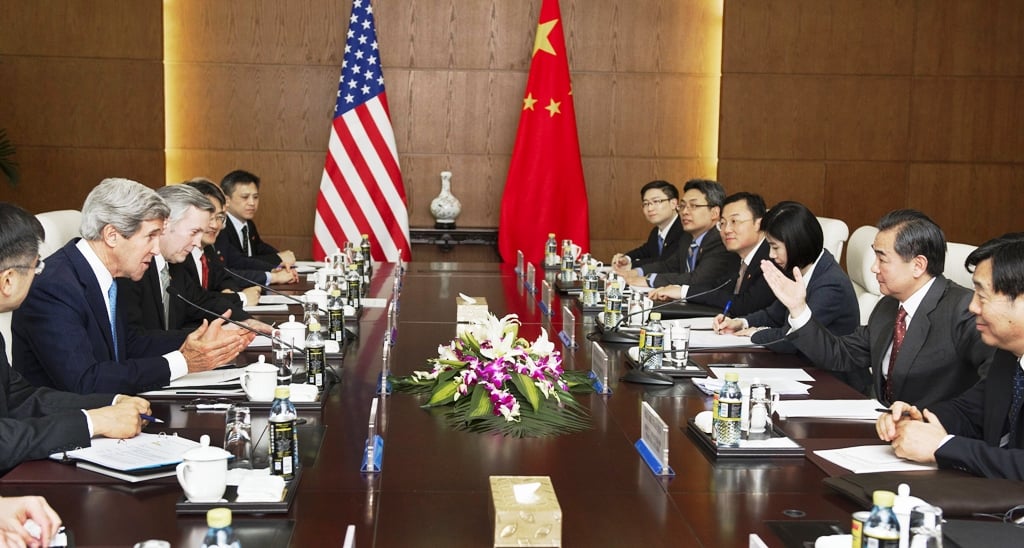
{"x":259,"y":380}
{"x":293,"y":332}
{"x":203,"y":472}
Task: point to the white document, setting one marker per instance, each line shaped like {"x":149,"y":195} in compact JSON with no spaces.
{"x":138,"y":453}
{"x":260,"y":341}
{"x":310,"y":264}
{"x":225,"y":376}
{"x":765,"y":374}
{"x":782,"y":387}
{"x":829,"y":409}
{"x":267,"y":308}
{"x":710,"y":339}
{"x":700,"y":324}
{"x":369,"y":302}
{"x":864,"y":459}
{"x":280,"y":299}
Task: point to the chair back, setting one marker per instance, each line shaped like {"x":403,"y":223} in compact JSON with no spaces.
{"x":60,"y":226}
{"x":859,"y":258}
{"x":836,"y":233}
{"x":956,"y":254}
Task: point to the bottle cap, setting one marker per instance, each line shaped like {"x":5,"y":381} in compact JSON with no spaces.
{"x":218,"y":518}
{"x":883,"y":498}
{"x":314,"y":325}
{"x":732,"y":376}
{"x":366,"y":236}
{"x":656,"y":316}
{"x":551,"y":234}
{"x":282,"y":392}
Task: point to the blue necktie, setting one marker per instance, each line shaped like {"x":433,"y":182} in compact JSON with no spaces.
{"x":691,"y":257}
{"x":1016,"y":402}
{"x":661,"y":244}
{"x":112,"y":295}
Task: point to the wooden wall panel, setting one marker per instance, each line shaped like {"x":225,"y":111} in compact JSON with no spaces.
{"x":861,"y":192}
{"x":968,"y":120}
{"x":969,"y":38}
{"x":106,"y":29}
{"x":777,"y":181}
{"x":972,"y":203}
{"x":773,"y":116}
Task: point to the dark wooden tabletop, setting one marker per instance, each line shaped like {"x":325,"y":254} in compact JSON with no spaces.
{"x":433,"y":489}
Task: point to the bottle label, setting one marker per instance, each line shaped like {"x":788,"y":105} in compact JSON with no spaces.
{"x":315,"y":366}
{"x":729,"y":409}
{"x":336,"y":323}
{"x":282,"y":449}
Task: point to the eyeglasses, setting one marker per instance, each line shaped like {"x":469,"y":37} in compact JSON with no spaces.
{"x":726,"y":223}
{"x":692,"y":207}
{"x":38,"y":267}
{"x":648,"y":203}
{"x":220,"y":218}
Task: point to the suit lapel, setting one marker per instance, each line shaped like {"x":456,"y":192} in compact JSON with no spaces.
{"x":917,"y":332}
{"x":885,"y":312}
{"x":94,"y":297}
{"x":999,"y":392}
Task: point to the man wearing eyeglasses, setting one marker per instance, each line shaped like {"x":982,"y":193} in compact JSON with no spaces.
{"x":699,"y":256}
{"x":658,"y":201}
{"x":36,"y":422}
{"x":744,"y":290}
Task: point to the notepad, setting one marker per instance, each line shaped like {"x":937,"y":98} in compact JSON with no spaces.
{"x":866,"y":409}
{"x":143,"y":452}
{"x":864,"y":459}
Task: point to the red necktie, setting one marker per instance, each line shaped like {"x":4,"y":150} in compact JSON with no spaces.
{"x":206,"y":271}
{"x":899,"y":331}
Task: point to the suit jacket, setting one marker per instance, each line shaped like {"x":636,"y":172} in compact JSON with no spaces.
{"x":220,"y":279}
{"x":714,"y":263}
{"x":35,"y":422}
{"x":978,"y":419}
{"x":62,"y":335}
{"x":754,"y":294}
{"x":648,"y":252}
{"x":941,"y":357}
{"x":262,"y":255}
{"x":830,"y":297}
{"x":144,"y":308}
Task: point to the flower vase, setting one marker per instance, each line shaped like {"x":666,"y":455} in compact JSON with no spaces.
{"x":445,"y":207}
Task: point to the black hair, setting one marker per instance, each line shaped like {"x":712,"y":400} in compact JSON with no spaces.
{"x":798,"y":229}
{"x":1007,"y":254}
{"x":238,"y":177}
{"x":755,"y":203}
{"x":668,"y":188}
{"x":916,"y":234}
{"x":208,"y":189}
{"x":20,"y":235}
{"x":711,"y":190}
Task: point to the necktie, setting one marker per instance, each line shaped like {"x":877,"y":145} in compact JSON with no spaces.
{"x":898,"y":332}
{"x":165,"y":281}
{"x":112,"y":297}
{"x":205,"y":278}
{"x":245,"y":240}
{"x":691,"y":257}
{"x":661,"y":244}
{"x":1016,"y":403}
{"x":739,"y":279}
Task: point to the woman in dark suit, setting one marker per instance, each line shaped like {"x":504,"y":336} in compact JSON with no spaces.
{"x":795,"y":238}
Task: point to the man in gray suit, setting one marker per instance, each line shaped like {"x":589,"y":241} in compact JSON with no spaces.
{"x":920,"y":344}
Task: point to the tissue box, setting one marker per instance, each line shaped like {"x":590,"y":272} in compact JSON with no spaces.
{"x":466,"y":312}
{"x":537,"y":523}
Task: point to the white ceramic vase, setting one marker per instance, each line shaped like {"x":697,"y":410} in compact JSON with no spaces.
{"x":445,"y":207}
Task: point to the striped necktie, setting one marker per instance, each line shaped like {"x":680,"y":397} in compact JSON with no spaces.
{"x":661,"y":244}
{"x":691,"y":257}
{"x":112,"y":297}
{"x":245,"y":241}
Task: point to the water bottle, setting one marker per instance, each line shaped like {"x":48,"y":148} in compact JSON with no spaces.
{"x":635,"y":311}
{"x":220,"y":533}
{"x":882,"y":530}
{"x":551,"y":250}
{"x":354,"y":283}
{"x":283,"y":362}
{"x":591,"y":288}
{"x":335,"y":314}
{"x":653,"y":336}
{"x":568,"y":273}
{"x":364,"y":246}
{"x":315,"y":358}
{"x":730,"y":411}
{"x":284,"y":440}
{"x":613,"y":304}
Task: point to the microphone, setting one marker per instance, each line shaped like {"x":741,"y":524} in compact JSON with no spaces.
{"x":612,"y":334}
{"x":264,"y":287}
{"x":174,"y":291}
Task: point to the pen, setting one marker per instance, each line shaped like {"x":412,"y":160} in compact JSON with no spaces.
{"x":725,"y":311}
{"x":151,"y":418}
{"x":889,"y":412}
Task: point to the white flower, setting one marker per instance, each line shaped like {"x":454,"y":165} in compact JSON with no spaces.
{"x":447,"y":352}
{"x":501,"y":334}
{"x":542,"y":346}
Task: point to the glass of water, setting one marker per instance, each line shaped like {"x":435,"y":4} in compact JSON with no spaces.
{"x":238,"y":436}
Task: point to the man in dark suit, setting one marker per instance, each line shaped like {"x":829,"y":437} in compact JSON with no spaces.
{"x":742,"y":290}
{"x":36,"y":422}
{"x":659,"y":201}
{"x":929,"y":352}
{"x":147,"y":305}
{"x":240,"y":240}
{"x":71,"y":333}
{"x":699,"y":256}
{"x":980,"y":431}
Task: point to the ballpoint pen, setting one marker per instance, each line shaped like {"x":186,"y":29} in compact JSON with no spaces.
{"x":151,"y":418}
{"x":725,"y":311}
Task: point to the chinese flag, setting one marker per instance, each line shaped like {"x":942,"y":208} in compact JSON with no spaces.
{"x":545,"y":191}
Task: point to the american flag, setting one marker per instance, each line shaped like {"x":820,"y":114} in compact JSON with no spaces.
{"x":361,"y":190}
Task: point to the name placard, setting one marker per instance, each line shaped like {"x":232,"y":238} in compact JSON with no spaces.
{"x":531,"y":278}
{"x":545,"y":297}
{"x":599,"y":368}
{"x":392,"y":334}
{"x":383,"y":384}
{"x":373,"y":454}
{"x":568,"y":334}
{"x":653,"y":442}
{"x":519,"y":262}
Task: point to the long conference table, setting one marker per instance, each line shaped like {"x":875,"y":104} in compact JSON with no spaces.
{"x":433,"y":488}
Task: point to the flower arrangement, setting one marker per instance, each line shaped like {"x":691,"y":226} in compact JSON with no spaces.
{"x":488,"y":379}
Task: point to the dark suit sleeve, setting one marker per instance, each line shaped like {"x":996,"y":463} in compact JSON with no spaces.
{"x":832,"y":304}
{"x":232,"y":253}
{"x":262,"y":250}
{"x":647,"y":252}
{"x":849,"y":354}
{"x":979,"y":458}
{"x":715,"y":265}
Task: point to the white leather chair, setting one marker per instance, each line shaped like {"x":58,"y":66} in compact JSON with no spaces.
{"x":859,"y":258}
{"x":956,"y":254}
{"x":836,"y":233}
{"x":5,"y":331}
{"x":60,"y":226}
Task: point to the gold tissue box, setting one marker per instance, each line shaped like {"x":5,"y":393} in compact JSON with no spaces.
{"x":466,"y":312}
{"x":536,"y":523}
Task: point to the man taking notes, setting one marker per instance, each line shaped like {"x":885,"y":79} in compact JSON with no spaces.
{"x":35,"y":422}
{"x":980,"y":431}
{"x":70,"y":332}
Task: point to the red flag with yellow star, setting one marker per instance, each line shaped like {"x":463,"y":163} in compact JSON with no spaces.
{"x":545,"y":191}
